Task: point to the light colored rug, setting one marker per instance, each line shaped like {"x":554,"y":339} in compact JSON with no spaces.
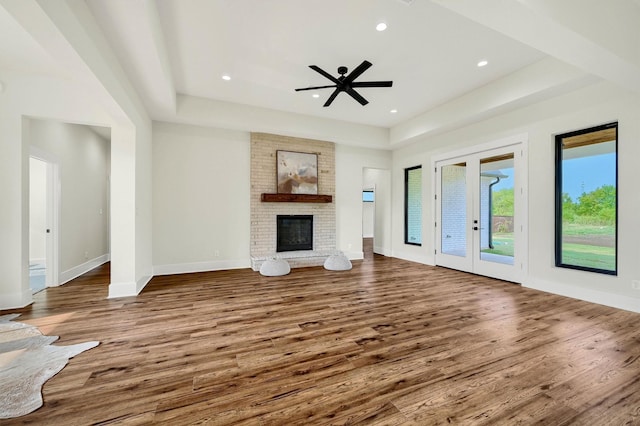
{"x":27,"y":361}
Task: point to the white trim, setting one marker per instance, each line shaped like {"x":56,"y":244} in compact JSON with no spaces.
{"x":477,"y":149}
{"x":122,"y":289}
{"x":382,"y":251}
{"x":40,"y":261}
{"x":412,"y":256}
{"x":42,"y":155}
{"x":76,"y":271}
{"x":142,"y":283}
{"x":186,"y":268}
{"x":354,"y":255}
{"x":589,"y":295}
{"x":10,"y":301}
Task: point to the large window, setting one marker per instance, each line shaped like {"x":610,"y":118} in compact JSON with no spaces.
{"x":586,"y":199}
{"x":413,"y":205}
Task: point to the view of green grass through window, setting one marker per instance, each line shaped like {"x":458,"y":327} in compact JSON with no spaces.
{"x":502,"y":214}
{"x":586,"y":199}
{"x":497,"y":208}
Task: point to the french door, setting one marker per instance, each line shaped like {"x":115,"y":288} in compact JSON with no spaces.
{"x":481,"y":212}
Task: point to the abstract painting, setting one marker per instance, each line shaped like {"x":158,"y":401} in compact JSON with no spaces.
{"x":297,"y":172}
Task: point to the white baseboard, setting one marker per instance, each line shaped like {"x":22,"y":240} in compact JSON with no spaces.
{"x":589,"y":295}
{"x":76,"y":271}
{"x":382,"y":251}
{"x":412,"y":256}
{"x":142,"y":282}
{"x":124,"y":289}
{"x":16,"y":300}
{"x":354,"y":255}
{"x":215,"y":265}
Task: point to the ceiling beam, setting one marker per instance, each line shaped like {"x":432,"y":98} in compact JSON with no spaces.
{"x":67,"y":31}
{"x":168,"y":90}
{"x":135,"y":34}
{"x":597,"y":37}
{"x":534,"y":83}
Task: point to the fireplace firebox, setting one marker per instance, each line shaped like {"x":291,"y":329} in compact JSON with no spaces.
{"x":294,"y":232}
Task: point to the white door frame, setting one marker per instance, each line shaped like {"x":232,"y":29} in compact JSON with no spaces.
{"x":472,"y":262}
{"x":53,"y":214}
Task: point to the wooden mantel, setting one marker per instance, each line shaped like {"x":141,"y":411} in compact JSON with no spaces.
{"x":296,"y":198}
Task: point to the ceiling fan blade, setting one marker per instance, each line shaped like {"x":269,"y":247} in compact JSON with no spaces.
{"x":355,"y":95}
{"x":356,"y":72}
{"x":324,"y":73}
{"x":372,"y":84}
{"x":332,"y":97}
{"x":316,"y":87}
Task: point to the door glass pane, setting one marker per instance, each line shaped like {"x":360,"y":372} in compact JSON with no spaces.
{"x":413,"y":205}
{"x":496,"y":209}
{"x":454,"y":209}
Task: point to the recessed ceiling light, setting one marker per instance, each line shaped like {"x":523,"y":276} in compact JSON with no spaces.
{"x":315,"y":95}
{"x":393,"y":111}
{"x":482,"y":63}
{"x":226,"y":77}
{"x":381,"y":26}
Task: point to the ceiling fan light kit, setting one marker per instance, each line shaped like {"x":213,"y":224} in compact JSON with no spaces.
{"x":347,"y":83}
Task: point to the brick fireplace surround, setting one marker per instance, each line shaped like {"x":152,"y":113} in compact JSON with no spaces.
{"x":263,"y":214}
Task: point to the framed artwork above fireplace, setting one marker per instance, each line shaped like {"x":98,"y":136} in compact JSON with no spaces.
{"x":297,"y":172}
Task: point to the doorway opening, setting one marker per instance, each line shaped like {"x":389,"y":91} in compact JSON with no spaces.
{"x":368,"y":221}
{"x":43,"y":220}
{"x":376,"y":212}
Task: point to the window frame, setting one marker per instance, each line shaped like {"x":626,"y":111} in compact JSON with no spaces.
{"x":406,"y":206}
{"x":558,"y":198}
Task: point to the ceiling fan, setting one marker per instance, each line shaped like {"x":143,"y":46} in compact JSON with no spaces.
{"x":347,"y":83}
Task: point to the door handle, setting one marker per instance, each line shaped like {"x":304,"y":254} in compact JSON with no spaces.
{"x":475,"y":228}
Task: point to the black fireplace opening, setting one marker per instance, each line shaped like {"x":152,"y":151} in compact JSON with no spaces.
{"x":294,"y":232}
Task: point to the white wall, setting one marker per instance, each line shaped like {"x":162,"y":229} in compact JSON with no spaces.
{"x":143,"y":204}
{"x":201,"y":187}
{"x":587,"y":107}
{"x":84,"y":160}
{"x":37,"y":210}
{"x":411,"y":156}
{"x":350,"y":163}
{"x":368,"y":211}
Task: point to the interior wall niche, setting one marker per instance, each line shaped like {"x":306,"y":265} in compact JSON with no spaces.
{"x":264,"y":147}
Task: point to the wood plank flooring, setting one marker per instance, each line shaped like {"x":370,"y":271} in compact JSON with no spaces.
{"x":388,"y":343}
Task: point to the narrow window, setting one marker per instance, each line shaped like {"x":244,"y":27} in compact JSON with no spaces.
{"x":586,"y":199}
{"x":413,"y":205}
{"x":368,"y":196}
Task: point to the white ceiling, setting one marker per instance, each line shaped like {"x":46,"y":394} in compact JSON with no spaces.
{"x":266,"y":46}
{"x":19,"y":51}
{"x":168,"y":56}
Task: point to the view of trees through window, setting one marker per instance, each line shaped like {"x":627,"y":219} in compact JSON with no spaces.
{"x":500,"y":240}
{"x":586,"y":199}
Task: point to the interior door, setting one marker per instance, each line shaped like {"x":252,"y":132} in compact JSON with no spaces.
{"x":480,"y":223}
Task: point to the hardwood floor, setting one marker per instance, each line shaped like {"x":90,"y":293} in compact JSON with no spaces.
{"x":389,"y":343}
